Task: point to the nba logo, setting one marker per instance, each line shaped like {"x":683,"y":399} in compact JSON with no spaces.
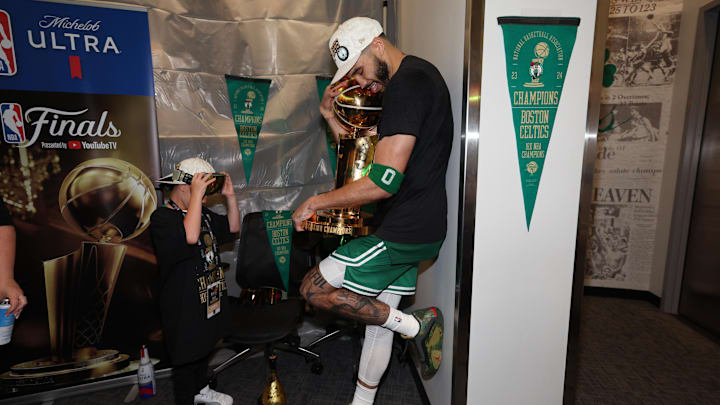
{"x":8,"y":67}
{"x":12,"y":123}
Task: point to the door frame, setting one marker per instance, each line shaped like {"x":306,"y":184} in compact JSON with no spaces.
{"x":469,"y":138}
{"x":584,"y":218}
{"x":705,"y":37}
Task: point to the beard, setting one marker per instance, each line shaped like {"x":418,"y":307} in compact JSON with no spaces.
{"x":381,"y":71}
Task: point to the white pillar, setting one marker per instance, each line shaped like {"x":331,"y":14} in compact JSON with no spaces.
{"x":522,"y":278}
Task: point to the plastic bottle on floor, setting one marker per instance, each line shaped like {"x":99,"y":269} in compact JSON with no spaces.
{"x":146,"y":374}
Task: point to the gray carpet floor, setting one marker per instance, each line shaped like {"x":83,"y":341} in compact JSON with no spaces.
{"x":632,"y":353}
{"x":246,"y":380}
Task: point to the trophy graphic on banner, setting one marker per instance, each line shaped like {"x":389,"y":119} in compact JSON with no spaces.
{"x":541,"y":50}
{"x":357,"y":109}
{"x":109,"y":200}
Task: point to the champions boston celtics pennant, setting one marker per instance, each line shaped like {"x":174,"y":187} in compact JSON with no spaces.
{"x":248,"y":97}
{"x":322,"y":83}
{"x":537,"y":53}
{"x":279,"y":226}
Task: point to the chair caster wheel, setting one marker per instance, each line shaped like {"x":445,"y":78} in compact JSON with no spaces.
{"x":293,"y":341}
{"x":316,"y":368}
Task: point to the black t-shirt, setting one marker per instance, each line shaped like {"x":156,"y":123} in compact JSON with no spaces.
{"x":188,"y":334}
{"x":5,"y":217}
{"x":417,"y":102}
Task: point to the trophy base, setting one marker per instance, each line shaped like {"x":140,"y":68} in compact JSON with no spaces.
{"x":85,"y":357}
{"x":86,"y":364}
{"x":331,"y":223}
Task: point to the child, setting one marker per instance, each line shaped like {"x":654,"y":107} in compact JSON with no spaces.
{"x":193,"y":295}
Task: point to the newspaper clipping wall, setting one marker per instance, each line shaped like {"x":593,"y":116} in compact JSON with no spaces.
{"x":640,"y":61}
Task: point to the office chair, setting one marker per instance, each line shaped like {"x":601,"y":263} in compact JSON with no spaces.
{"x":266,"y":314}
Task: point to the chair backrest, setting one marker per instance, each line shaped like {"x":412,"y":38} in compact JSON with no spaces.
{"x":256,"y":266}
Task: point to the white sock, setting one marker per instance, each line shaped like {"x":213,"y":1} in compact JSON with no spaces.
{"x":401,"y":322}
{"x":364,"y":395}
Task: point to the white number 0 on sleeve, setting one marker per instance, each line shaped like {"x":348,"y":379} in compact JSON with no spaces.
{"x":388,"y":176}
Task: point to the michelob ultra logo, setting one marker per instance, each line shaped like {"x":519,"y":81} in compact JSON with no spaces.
{"x":64,"y":47}
{"x":53,"y":122}
{"x":76,"y":37}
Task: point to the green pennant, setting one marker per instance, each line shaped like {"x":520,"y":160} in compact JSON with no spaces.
{"x":322,"y":83}
{"x":248,"y":98}
{"x":279,"y":226}
{"x":537,"y":53}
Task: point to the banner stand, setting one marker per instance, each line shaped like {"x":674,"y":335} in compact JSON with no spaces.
{"x":82,"y":389}
{"x":80,"y":148}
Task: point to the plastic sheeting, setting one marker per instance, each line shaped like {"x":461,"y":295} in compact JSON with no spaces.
{"x":195,"y":43}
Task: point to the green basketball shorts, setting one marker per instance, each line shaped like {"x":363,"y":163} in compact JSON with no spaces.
{"x":370,"y":265}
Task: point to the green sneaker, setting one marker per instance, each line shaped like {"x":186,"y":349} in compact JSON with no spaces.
{"x":429,"y":339}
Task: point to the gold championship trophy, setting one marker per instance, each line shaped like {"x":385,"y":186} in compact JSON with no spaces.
{"x":358,"y":110}
{"x":110,"y":201}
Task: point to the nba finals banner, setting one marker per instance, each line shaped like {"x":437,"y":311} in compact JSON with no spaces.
{"x":79,"y":152}
{"x":248,"y":97}
{"x":537,"y":53}
{"x":279,"y":226}
{"x":322,"y":83}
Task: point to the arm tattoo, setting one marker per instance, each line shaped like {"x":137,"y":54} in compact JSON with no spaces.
{"x":313,"y":283}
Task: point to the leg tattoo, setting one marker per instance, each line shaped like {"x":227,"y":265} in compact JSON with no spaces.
{"x":319,"y":293}
{"x":358,"y":307}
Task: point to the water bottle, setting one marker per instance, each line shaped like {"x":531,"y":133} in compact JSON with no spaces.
{"x":6,"y":322}
{"x":146,"y":374}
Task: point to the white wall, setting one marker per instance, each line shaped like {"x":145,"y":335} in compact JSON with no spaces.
{"x":522,"y":279}
{"x":434,"y":30}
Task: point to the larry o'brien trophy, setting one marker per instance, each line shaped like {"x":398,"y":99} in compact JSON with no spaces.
{"x":357,"y":109}
{"x":110,"y":201}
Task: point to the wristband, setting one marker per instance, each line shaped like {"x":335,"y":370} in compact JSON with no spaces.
{"x":386,"y":178}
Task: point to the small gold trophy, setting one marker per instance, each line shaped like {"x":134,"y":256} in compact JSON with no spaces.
{"x":358,"y":110}
{"x":273,"y":394}
{"x":110,"y":201}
